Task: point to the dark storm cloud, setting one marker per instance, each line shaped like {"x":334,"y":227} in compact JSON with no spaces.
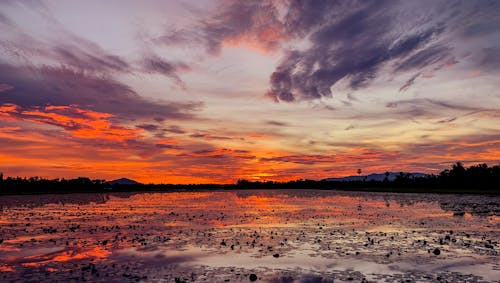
{"x":353,"y":40}
{"x":62,"y":86}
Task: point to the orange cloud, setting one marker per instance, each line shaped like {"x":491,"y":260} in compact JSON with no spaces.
{"x":265,"y":40}
{"x":79,"y":122}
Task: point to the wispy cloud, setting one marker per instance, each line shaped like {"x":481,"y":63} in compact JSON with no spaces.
{"x":156,"y":65}
{"x":276,"y":123}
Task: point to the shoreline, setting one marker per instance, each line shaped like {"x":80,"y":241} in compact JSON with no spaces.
{"x":170,"y":190}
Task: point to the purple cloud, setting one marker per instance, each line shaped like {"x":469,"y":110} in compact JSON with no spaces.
{"x":352,"y":41}
{"x":63,"y":86}
{"x":157,"y":65}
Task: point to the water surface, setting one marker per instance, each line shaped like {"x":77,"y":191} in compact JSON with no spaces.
{"x":224,"y":236}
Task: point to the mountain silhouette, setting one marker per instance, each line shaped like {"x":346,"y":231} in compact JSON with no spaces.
{"x":123,"y":181}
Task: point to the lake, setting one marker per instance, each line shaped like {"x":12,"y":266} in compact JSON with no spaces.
{"x":244,"y":236}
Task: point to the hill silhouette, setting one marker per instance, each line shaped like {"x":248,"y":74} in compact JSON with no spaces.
{"x":123,"y":182}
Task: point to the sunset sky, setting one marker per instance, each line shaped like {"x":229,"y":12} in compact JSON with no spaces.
{"x":215,"y":91}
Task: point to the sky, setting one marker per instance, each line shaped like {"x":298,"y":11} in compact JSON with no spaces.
{"x":216,"y":91}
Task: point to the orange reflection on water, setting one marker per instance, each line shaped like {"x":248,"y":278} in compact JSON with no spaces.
{"x":6,"y":268}
{"x":75,"y":254}
{"x":65,"y":232}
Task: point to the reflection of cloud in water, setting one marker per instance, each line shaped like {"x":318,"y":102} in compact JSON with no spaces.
{"x":213,"y":236}
{"x":153,"y":257}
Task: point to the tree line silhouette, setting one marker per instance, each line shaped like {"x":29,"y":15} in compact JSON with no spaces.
{"x":478,"y":178}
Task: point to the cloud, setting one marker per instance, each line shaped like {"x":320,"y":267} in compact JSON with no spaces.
{"x":251,"y":22}
{"x":37,"y":4}
{"x":148,"y":127}
{"x":5,"y":20}
{"x":157,"y":65}
{"x":204,"y":156}
{"x":423,"y":58}
{"x":276,"y":123}
{"x":67,"y":49}
{"x":491,"y":58}
{"x":351,"y":42}
{"x":352,"y":156}
{"x":80,"y":123}
{"x":254,"y":24}
{"x":64,"y":87}
{"x":5,"y":87}
{"x":176,"y":36}
{"x":174,"y":129}
{"x":95,"y":59}
{"x":350,"y":127}
{"x":409,"y":83}
{"x":76,"y":71}
{"x":79,"y":54}
{"x":431,"y":108}
{"x":446,"y":121}
{"x":300,"y":159}
{"x":471,"y":149}
{"x":207,"y":136}
{"x":354,"y":42}
{"x":168,"y":146}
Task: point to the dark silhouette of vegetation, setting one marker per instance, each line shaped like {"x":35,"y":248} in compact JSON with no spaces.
{"x":11,"y":185}
{"x":475,"y":179}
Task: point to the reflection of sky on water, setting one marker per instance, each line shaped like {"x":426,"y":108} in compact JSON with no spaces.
{"x":158,"y":233}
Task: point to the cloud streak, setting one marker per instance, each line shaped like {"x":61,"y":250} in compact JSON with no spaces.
{"x":157,"y":65}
